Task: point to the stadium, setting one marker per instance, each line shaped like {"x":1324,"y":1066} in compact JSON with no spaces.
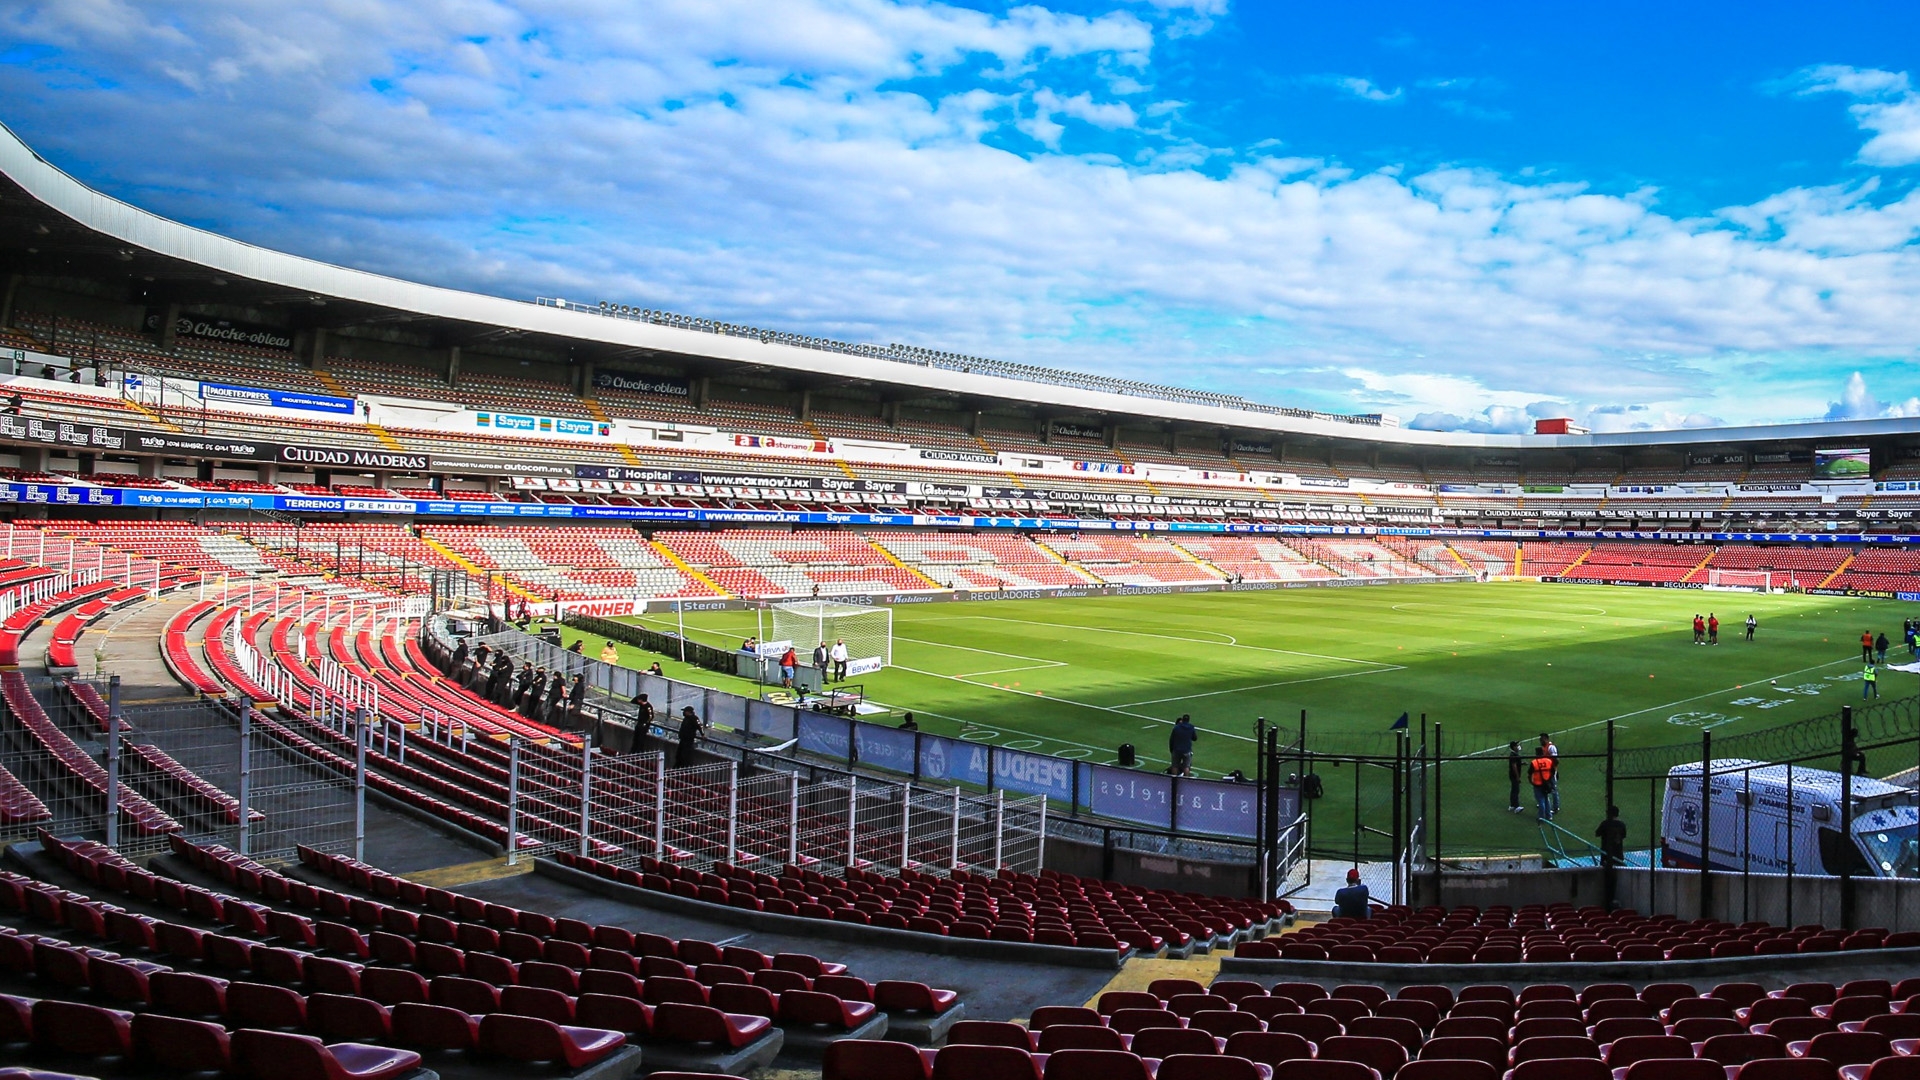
{"x":401,"y":680}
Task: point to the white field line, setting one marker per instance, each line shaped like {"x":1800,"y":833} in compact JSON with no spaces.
{"x":1069,"y":701}
{"x":999,"y":729}
{"x":1266,"y":686}
{"x":1671,"y":704}
{"x":1187,"y":640}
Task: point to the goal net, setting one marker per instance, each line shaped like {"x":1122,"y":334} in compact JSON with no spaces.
{"x":1755,"y":580}
{"x":868,"y":631}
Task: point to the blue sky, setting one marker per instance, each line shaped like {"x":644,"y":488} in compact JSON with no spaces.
{"x":1466,"y":215}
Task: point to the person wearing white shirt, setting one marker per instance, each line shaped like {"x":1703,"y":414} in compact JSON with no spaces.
{"x":838,"y":654}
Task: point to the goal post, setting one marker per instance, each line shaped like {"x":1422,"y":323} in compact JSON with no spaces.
{"x":868,"y":631}
{"x":1744,"y":580}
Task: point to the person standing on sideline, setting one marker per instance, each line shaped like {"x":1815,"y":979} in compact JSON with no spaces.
{"x":642,"y":715}
{"x":1613,"y":838}
{"x":838,"y":654}
{"x":609,"y":653}
{"x":1870,"y":682}
{"x":1180,"y":746}
{"x":1880,"y":648}
{"x":1866,"y":646}
{"x":788,"y":661}
{"x":1516,"y":772}
{"x":1913,"y":642}
{"x":1713,"y":628}
{"x":689,"y":736}
{"x":1699,"y":630}
{"x":1540,"y":772}
{"x":820,"y":660}
{"x":1752,"y":625}
{"x":1352,"y":901}
{"x":1553,"y":786}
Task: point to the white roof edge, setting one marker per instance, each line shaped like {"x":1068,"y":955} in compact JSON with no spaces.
{"x":140,"y":228}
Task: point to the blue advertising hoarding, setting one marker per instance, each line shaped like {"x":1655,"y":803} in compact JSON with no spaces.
{"x":278,"y":399}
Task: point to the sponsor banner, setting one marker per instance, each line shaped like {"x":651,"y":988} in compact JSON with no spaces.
{"x":827,"y":736}
{"x":543,"y":426}
{"x":61,"y":433}
{"x":960,"y":455}
{"x":54,"y":495}
{"x":1911,"y":597}
{"x":866,"y":665}
{"x":498,"y":467}
{"x":777,"y":442}
{"x":886,"y":748}
{"x":1321,"y":482}
{"x":604,"y":609}
{"x":1077,"y":431}
{"x":956,"y":760}
{"x":1263,"y":448}
{"x":321,"y":457}
{"x":1783,"y":457}
{"x":1033,"y":774}
{"x":230,"y":330}
{"x":1224,"y":808}
{"x":665,"y":385}
{"x":277,"y":399}
{"x":1759,"y":489}
{"x":1109,"y":467}
{"x":925,"y":490}
{"x":1128,"y":795}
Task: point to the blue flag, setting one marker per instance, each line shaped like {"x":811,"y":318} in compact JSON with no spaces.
{"x":1400,"y":724}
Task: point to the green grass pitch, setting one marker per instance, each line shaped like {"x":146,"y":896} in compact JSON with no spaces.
{"x":1488,"y":662}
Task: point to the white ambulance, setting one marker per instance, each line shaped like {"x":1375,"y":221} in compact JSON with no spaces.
{"x":1754,"y":826}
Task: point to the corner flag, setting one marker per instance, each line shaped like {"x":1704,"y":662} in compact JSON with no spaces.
{"x":1400,"y":724}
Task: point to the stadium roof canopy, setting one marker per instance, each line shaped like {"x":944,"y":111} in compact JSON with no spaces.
{"x":54,"y":226}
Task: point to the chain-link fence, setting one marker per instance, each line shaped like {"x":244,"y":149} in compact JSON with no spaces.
{"x":132,"y":775}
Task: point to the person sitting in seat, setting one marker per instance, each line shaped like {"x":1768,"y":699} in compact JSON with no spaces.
{"x":1351,"y":902}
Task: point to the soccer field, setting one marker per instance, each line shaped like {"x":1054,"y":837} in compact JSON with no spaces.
{"x":1490,"y":662}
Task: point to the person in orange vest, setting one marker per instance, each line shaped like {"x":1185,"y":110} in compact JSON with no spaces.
{"x":1540,"y":772}
{"x":1866,"y":646}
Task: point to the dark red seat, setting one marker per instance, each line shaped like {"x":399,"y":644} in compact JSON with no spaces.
{"x":529,"y":1038}
{"x":1081,"y":1037}
{"x":348,"y":1019}
{"x":1384,"y":1056}
{"x":186,"y":1046}
{"x":16,"y":1019}
{"x":1047,"y":1016}
{"x":467,"y":995}
{"x":1095,"y":1065}
{"x":1159,"y":1042}
{"x":1317,"y":1069}
{"x":83,"y":1030}
{"x":895,"y":996}
{"x":549,"y":1005}
{"x":272,"y":1055}
{"x":391,"y":986}
{"x":434,"y":1027}
{"x":1625,"y":1052}
{"x":1554,"y":1046}
{"x":815,"y":1009}
{"x":864,"y":1059}
{"x":1688,"y":1068}
{"x":677,"y":1021}
{"x":257,"y":1005}
{"x":612,"y":1012}
{"x":1448,"y":1069}
{"x":1741,"y":1048}
{"x":1580,"y":1068}
{"x":186,"y":994}
{"x":987,"y":1063}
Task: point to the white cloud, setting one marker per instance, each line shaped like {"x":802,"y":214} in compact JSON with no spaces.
{"x":1364,"y":89}
{"x":1888,"y":108}
{"x":696,"y":155}
{"x":1858,"y":403}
